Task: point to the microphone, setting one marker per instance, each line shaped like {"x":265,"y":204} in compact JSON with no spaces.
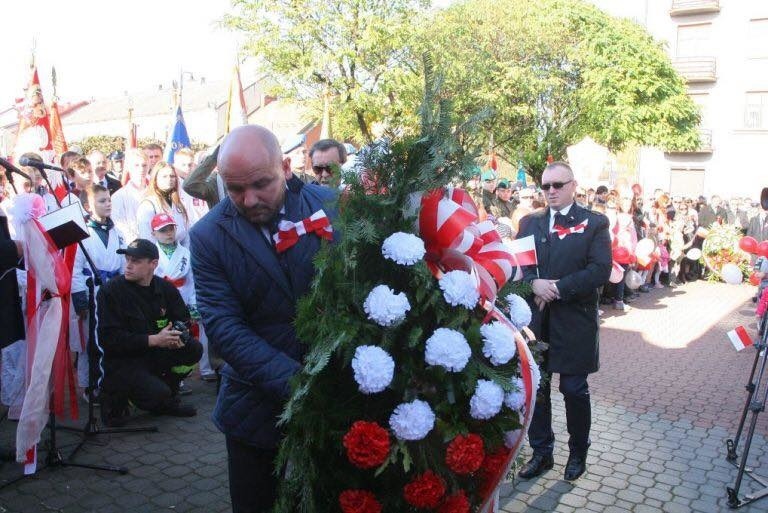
{"x":10,"y":168}
{"x":26,"y":161}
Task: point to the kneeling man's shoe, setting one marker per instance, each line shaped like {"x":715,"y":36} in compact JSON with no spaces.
{"x":576,"y":466}
{"x":537,"y":465}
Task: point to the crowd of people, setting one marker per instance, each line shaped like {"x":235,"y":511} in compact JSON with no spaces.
{"x":674,"y":224}
{"x":153,"y":235}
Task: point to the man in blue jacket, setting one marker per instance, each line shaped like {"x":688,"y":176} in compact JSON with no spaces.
{"x":246,"y":293}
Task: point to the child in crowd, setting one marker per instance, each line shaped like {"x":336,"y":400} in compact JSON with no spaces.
{"x":175,"y":266}
{"x":102,"y":246}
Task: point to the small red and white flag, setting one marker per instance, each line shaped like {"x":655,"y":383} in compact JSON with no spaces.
{"x":740,"y":338}
{"x":524,"y":250}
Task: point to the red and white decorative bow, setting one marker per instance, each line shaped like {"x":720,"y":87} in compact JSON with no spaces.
{"x":289,"y":232}
{"x":454,"y":240}
{"x":563,"y":232}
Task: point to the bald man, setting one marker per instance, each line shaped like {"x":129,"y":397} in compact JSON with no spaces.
{"x":573,"y":247}
{"x":246,"y":294}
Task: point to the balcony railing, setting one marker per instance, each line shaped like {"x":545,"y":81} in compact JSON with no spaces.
{"x":705,"y":144}
{"x":697,"y":69}
{"x":685,"y":7}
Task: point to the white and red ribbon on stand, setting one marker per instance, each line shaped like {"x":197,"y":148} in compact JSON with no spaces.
{"x":49,"y":278}
{"x":454,"y":240}
{"x":289,"y":232}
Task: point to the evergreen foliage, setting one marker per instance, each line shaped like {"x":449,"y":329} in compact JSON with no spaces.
{"x":325,"y":400}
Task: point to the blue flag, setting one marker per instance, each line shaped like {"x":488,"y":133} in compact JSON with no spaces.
{"x":521,"y":175}
{"x":178,"y":139}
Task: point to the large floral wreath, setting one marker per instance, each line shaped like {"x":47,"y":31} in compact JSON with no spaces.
{"x":418,"y":382}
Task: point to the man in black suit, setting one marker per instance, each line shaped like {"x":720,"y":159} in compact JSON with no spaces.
{"x":99,"y":164}
{"x":574,"y":260}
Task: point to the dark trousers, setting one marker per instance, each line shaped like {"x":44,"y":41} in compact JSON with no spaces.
{"x":147,"y":380}
{"x":252,"y":482}
{"x":578,"y":414}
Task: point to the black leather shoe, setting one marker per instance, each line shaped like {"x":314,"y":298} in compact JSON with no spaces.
{"x":537,"y":465}
{"x":575,"y":467}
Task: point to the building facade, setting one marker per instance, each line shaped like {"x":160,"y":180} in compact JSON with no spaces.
{"x":720,"y":47}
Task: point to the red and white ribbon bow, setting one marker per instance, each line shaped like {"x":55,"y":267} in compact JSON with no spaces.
{"x":454,"y":240}
{"x":563,"y":232}
{"x":289,"y":232}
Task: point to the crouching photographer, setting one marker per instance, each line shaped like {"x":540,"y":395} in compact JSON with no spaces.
{"x":147,"y":347}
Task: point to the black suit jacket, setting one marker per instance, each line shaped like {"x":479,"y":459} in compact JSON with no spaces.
{"x":11,"y":319}
{"x":581,"y":262}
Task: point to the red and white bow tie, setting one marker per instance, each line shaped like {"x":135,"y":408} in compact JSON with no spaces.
{"x":563,"y":232}
{"x":289,"y":232}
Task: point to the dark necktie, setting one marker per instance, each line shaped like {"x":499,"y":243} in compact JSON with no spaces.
{"x":560,"y":219}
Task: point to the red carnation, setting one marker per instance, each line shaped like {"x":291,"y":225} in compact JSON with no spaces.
{"x":492,"y":469}
{"x":465,"y":454}
{"x":456,"y":503}
{"x":367,"y":444}
{"x":359,"y":501}
{"x":425,"y":491}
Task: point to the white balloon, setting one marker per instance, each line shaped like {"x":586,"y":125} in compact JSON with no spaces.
{"x":731,"y":274}
{"x":617,"y":273}
{"x":633,"y":280}
{"x":693,"y":254}
{"x":644,"y":248}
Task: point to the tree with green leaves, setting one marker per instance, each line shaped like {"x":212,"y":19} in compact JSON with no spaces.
{"x":554,"y":71}
{"x":352,"y":52}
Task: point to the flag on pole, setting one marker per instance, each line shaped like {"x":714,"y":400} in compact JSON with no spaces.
{"x":34,"y":129}
{"x":131,"y":141}
{"x":178,"y":138}
{"x":492,"y":163}
{"x":237,"y":113}
{"x":59,"y":145}
{"x":740,"y":338}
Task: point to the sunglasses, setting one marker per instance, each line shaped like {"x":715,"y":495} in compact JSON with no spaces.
{"x":556,"y":185}
{"x":579,"y":195}
{"x":320,"y":169}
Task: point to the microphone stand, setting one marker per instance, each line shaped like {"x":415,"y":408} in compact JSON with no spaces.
{"x":756,"y":402}
{"x":54,"y":456}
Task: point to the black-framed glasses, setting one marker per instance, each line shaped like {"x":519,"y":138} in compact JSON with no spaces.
{"x":556,"y":185}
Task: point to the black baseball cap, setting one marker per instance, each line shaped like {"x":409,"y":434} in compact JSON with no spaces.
{"x":140,"y":248}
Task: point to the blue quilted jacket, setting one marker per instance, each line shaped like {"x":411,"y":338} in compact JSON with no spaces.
{"x":247,"y":295}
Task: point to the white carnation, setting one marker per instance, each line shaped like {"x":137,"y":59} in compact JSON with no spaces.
{"x":499,"y":344}
{"x":447,"y":348}
{"x":374,"y":369}
{"x":487,"y":400}
{"x":519,"y":311}
{"x":403,"y":248}
{"x":515,"y":399}
{"x":412,"y":421}
{"x":385,"y":307}
{"x":512,"y":437}
{"x":459,"y":289}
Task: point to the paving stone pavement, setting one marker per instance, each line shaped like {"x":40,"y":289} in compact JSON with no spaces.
{"x":669,"y":392}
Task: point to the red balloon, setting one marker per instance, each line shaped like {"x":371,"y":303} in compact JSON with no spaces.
{"x":754,"y":279}
{"x":748,"y":244}
{"x":762,"y":249}
{"x":621,"y":255}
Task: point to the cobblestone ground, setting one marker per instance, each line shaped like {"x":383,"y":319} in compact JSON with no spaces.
{"x":669,"y":392}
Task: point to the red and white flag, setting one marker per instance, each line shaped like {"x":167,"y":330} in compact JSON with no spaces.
{"x":524,"y":250}
{"x":740,"y":338}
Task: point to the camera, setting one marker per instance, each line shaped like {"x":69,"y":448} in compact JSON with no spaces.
{"x":182,"y":327}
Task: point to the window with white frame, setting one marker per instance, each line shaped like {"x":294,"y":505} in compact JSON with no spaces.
{"x":757,"y":38}
{"x":756,"y":110}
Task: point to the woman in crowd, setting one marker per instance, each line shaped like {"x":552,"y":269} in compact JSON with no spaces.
{"x":162,"y":196}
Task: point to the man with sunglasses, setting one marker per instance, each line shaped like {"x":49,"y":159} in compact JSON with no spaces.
{"x":573,"y":248}
{"x":326,"y":154}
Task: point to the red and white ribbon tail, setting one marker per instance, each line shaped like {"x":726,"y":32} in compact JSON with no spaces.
{"x":46,"y":324}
